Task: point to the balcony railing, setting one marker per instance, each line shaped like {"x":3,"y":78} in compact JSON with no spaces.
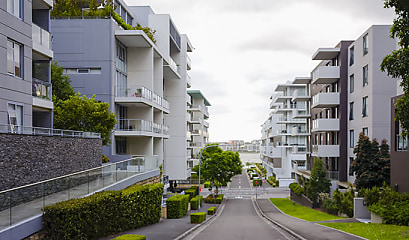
{"x":325,"y":100}
{"x":24,"y":202}
{"x":326,"y":75}
{"x":325,"y":125}
{"x":325,"y":150}
{"x":143,"y":93}
{"x":140,"y":125}
{"x":188,"y":80}
{"x":40,"y":36}
{"x":10,"y":128}
{"x":41,"y":89}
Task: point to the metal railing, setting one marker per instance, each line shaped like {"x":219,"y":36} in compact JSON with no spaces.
{"x":141,"y":92}
{"x":41,"y":89}
{"x":23,"y":202}
{"x":140,"y":125}
{"x":16,"y":129}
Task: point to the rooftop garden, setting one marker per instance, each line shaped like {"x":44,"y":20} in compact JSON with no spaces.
{"x":76,"y":8}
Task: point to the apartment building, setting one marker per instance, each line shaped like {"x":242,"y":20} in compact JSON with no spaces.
{"x":144,"y":82}
{"x":285,"y":133}
{"x":198,"y":127}
{"x":349,"y":95}
{"x":25,"y":88}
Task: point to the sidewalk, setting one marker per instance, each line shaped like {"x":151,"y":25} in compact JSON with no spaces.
{"x":308,"y":230}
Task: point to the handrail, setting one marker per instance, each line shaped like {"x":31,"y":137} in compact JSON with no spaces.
{"x":41,"y":131}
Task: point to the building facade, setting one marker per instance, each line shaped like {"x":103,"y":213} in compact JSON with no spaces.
{"x":25,"y":47}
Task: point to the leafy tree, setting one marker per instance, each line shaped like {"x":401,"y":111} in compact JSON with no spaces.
{"x":372,"y":163}
{"x":396,"y":64}
{"x":62,"y":89}
{"x":319,"y":181}
{"x":85,"y":114}
{"x":220,"y":166}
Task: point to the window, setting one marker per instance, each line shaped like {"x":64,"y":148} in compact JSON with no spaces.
{"x":351,"y":139}
{"x":14,"y":58}
{"x":15,"y":117}
{"x":351,"y":160}
{"x":365,"y":131}
{"x":15,"y":7}
{"x":365,"y":75}
{"x":120,"y":144}
{"x":364,"y":106}
{"x":351,"y":56}
{"x":365,"y":44}
{"x":351,"y":83}
{"x":351,"y":111}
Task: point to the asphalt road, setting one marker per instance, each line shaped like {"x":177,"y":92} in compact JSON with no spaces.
{"x":239,"y":219}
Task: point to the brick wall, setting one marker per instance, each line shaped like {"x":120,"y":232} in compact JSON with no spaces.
{"x":26,"y":159}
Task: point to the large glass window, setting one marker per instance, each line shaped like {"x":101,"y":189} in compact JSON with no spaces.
{"x":351,"y":111}
{"x":365,"y":44}
{"x":351,"y":83}
{"x":365,"y":106}
{"x":351,"y":56}
{"x":14,"y":58}
{"x":365,"y":75}
{"x":15,"y":7}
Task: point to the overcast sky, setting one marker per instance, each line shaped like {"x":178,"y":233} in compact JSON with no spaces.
{"x":244,"y":48}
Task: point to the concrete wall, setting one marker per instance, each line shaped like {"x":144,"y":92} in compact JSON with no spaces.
{"x":28,"y":159}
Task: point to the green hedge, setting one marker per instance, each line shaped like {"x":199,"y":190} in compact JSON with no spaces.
{"x":257,"y":182}
{"x":296,"y":188}
{"x":197,"y":217}
{"x":211,"y":210}
{"x":191,"y":193}
{"x":194,"y":202}
{"x":211,"y":199}
{"x":207,"y":184}
{"x":130,"y":237}
{"x":177,"y":206}
{"x":219,"y":199}
{"x":104,"y":213}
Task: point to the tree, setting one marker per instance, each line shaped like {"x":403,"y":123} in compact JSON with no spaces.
{"x":62,"y":89}
{"x":220,"y":166}
{"x":396,"y":64}
{"x":319,"y":181}
{"x":85,"y":114}
{"x":372,"y":163}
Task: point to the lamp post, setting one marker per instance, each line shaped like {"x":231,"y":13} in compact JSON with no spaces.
{"x":200,"y":160}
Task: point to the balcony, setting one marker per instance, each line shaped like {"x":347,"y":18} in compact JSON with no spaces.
{"x":299,"y":149}
{"x":288,"y":120}
{"x":188,"y":100}
{"x":188,"y":135}
{"x":285,"y":108}
{"x":326,"y":75}
{"x":325,"y":150}
{"x":139,"y":127}
{"x":325,"y":125}
{"x":325,"y":100}
{"x":132,"y":94}
{"x":41,"y":41}
{"x":41,"y":92}
{"x":295,"y":131}
{"x":196,"y":132}
{"x":301,"y":113}
{"x":300,"y":95}
{"x":326,"y":53}
{"x":188,"y":62}
{"x":280,"y":98}
{"x":171,"y":70}
{"x":274,"y":152}
{"x":206,"y":112}
{"x":205,"y":124}
{"x":188,"y":80}
{"x":195,"y":145}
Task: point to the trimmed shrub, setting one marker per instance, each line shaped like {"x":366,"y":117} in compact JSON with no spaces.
{"x":257,"y":182}
{"x":194,"y":202}
{"x":207,"y":184}
{"x":130,"y":237}
{"x":211,"y":210}
{"x":197,"y":217}
{"x":296,"y":188}
{"x":104,"y":213}
{"x":210,"y":199}
{"x":191,"y":193}
{"x":177,"y":206}
{"x":219,"y":199}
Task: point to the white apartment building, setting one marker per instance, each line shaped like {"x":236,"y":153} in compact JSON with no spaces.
{"x":285,"y":133}
{"x":198,"y":127}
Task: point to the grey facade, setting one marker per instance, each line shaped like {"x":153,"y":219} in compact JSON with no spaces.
{"x":25,"y":50}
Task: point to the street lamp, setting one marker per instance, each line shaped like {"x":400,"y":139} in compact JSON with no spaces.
{"x":200,"y":160}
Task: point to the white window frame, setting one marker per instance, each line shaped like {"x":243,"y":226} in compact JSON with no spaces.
{"x":365,"y":75}
{"x":14,"y":58}
{"x":365,"y":44}
{"x":15,"y":7}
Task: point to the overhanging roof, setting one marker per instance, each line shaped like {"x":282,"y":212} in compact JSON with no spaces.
{"x":197,"y":94}
{"x":326,"y":53}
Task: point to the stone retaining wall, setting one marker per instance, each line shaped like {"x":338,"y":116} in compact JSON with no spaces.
{"x":26,"y":159}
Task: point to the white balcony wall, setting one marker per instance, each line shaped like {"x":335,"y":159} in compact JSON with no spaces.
{"x":322,"y":100}
{"x":326,"y":75}
{"x":41,"y":41}
{"x":325,"y":150}
{"x":325,"y":125}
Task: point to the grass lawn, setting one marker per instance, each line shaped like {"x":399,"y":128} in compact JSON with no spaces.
{"x":373,"y":231}
{"x":301,"y":212}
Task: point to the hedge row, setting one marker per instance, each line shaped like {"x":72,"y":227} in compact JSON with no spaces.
{"x":207,"y":184}
{"x":104,"y":213}
{"x":211,"y":199}
{"x":296,"y":188}
{"x":177,"y":206}
{"x":197,"y":217}
{"x":130,"y":237}
{"x":257,"y":182}
{"x":194,"y":202}
{"x":211,"y":210}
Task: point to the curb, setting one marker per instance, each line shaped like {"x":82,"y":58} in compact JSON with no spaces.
{"x":204,"y":223}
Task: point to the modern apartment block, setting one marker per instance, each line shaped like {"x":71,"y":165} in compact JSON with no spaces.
{"x":25,"y":88}
{"x":197,"y":134}
{"x":349,"y":95}
{"x":285,"y":133}
{"x":144,"y":82}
